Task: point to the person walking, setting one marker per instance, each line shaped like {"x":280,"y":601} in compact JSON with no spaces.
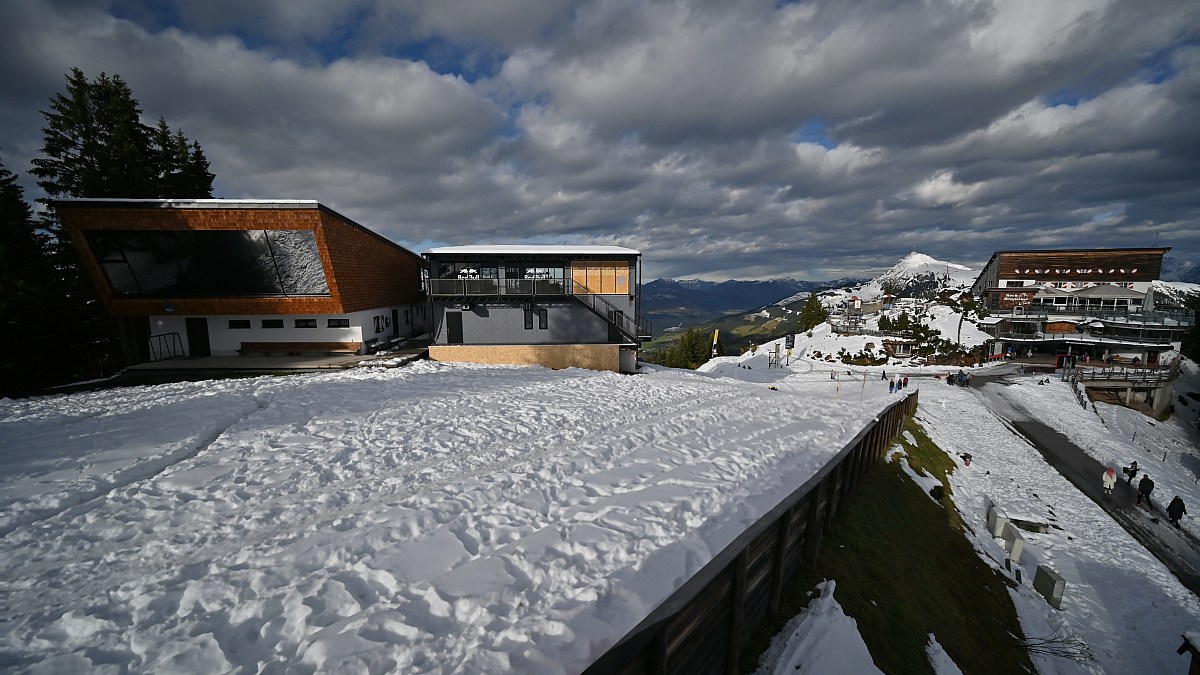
{"x":891,"y":386}
{"x":1110,"y":481}
{"x":1176,"y":510}
{"x":1130,"y":471}
{"x":884,"y":375}
{"x":906,"y":382}
{"x":1145,"y":487}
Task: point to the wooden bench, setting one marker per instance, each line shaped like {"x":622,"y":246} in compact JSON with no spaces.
{"x":298,"y":348}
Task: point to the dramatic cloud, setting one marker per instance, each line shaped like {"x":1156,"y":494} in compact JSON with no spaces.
{"x":750,"y":139}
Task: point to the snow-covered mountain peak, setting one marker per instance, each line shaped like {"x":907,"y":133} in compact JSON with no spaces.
{"x":915,"y":275}
{"x":919,"y":262}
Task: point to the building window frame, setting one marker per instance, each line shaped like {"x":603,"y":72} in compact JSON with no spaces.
{"x":240,"y":324}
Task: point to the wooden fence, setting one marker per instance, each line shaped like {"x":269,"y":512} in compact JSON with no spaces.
{"x":704,"y":625}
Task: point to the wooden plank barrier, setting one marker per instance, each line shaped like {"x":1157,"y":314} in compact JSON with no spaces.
{"x":705,"y":624}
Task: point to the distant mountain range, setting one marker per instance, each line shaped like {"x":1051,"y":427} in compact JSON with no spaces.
{"x":1175,"y":269}
{"x":668,"y":302}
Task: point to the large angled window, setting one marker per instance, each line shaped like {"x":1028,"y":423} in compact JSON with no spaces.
{"x":208,"y":263}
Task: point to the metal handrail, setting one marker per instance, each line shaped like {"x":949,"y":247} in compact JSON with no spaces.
{"x":169,"y":344}
{"x":494,"y":287}
{"x":635,"y":328}
{"x":1041,"y":335}
{"x":1181,"y":317}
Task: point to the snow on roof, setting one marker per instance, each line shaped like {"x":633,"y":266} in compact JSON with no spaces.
{"x":534,"y":249}
{"x":1107,"y":291}
{"x":197,"y":203}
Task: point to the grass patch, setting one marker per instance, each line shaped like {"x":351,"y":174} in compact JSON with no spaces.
{"x":904,"y":570}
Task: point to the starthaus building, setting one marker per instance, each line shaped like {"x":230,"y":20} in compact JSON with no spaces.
{"x":554,"y":306}
{"x":1074,"y":303}
{"x":203,"y":277}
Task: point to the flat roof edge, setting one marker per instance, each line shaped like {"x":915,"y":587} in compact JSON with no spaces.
{"x":1083,"y":250}
{"x":532,"y":249}
{"x":192,"y":203}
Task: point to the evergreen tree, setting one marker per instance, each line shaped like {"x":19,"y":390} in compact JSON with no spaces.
{"x":180,"y":169}
{"x":95,"y":146}
{"x":813,"y":313}
{"x":693,"y":349}
{"x":26,"y":275}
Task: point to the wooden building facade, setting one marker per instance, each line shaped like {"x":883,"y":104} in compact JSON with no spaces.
{"x":1095,"y":303}
{"x":224,"y":277}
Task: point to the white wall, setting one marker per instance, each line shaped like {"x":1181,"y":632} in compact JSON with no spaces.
{"x":363,"y":327}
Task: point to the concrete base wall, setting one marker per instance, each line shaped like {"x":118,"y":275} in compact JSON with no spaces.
{"x":595,"y":357}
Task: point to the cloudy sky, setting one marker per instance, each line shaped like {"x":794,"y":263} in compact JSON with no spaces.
{"x":725,"y":140}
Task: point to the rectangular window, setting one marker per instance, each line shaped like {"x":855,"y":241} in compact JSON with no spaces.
{"x":1014,"y":284}
{"x":338,"y":323}
{"x":239,"y":323}
{"x":407,"y":316}
{"x":272,"y":323}
{"x":529,"y":319}
{"x":542,"y":319}
{"x":306,"y":323}
{"x":210,"y":263}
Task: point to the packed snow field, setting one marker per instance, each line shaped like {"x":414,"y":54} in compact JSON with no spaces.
{"x":433,"y":518}
{"x":459,"y":518}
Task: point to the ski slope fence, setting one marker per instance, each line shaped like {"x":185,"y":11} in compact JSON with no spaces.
{"x":703,"y":626}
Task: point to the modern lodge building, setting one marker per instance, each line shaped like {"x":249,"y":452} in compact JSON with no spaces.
{"x":555,"y":306}
{"x":1071,"y":303}
{"x":203,"y":277}
{"x":224,"y":277}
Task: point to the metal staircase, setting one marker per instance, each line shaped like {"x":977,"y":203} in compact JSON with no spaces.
{"x":632,"y":328}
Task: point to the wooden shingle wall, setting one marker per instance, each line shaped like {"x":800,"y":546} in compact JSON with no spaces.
{"x":369,"y":271}
{"x":1100,"y":265}
{"x":363,"y":270}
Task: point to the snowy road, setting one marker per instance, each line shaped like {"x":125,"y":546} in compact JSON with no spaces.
{"x":1177,"y":549}
{"x":434,"y":518}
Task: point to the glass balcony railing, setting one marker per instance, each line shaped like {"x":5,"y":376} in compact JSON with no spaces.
{"x":1170,"y":318}
{"x":499,"y":287}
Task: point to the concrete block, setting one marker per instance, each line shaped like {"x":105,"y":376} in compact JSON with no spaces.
{"x":996,"y":520}
{"x":1050,"y":584}
{"x":1014,"y":543}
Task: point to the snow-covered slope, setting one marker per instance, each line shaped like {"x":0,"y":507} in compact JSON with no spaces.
{"x":916,"y":275}
{"x":1176,"y":292}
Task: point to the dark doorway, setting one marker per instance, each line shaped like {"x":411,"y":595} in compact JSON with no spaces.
{"x":197,"y":335}
{"x":615,"y":317}
{"x":454,"y":333}
{"x":395,"y":323}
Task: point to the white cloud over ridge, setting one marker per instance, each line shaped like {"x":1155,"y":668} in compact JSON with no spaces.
{"x":681,"y":128}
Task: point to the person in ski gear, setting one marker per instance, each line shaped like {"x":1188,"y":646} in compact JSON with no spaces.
{"x":1176,"y":510}
{"x":891,"y":386}
{"x":1145,"y":487}
{"x":1110,"y":481}
{"x":906,"y":382}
